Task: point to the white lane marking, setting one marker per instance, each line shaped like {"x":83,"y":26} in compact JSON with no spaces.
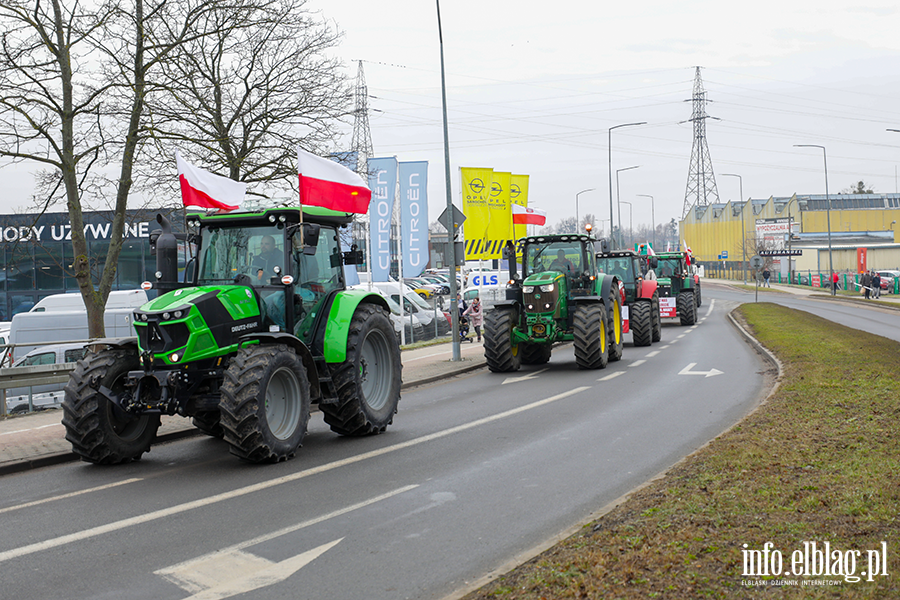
{"x":32,"y":429}
{"x":651,"y":354}
{"x":637,"y":363}
{"x":711,"y":304}
{"x":680,"y":336}
{"x":426,"y":356}
{"x":710,"y":373}
{"x":239,"y":572}
{"x":524,"y":377}
{"x":202,"y":502}
{"x":69,"y":495}
{"x":611,"y":376}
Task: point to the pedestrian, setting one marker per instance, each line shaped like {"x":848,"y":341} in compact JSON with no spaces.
{"x":476,"y":315}
{"x":876,"y":284}
{"x":460,"y":304}
{"x":835,"y":281}
{"x":766,"y":276}
{"x":866,"y":283}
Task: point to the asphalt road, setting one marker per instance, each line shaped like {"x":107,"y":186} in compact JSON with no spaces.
{"x":475,"y":473}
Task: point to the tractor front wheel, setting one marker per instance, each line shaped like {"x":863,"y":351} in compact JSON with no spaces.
{"x":657,"y":320}
{"x":265,"y":403}
{"x":591,"y":345}
{"x":368,"y":381}
{"x":501,"y":355}
{"x":100,"y":432}
{"x":687,"y":309}
{"x":615,"y":335}
{"x":642,"y":323}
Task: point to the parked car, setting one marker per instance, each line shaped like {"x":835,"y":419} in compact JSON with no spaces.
{"x":48,"y":395}
{"x":887,"y":279}
{"x":443,"y":285}
{"x":423,"y":288}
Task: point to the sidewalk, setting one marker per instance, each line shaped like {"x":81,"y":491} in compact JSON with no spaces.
{"x":819,"y":293}
{"x":38,"y":439}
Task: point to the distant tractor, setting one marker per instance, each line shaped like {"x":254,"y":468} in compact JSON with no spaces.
{"x":559,"y":297}
{"x":641,"y":294}
{"x":679,"y":287}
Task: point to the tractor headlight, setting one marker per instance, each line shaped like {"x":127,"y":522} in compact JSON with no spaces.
{"x":174,"y":357}
{"x":547,"y":288}
{"x":528,"y":289}
{"x":178,"y":314}
{"x":166,"y":316}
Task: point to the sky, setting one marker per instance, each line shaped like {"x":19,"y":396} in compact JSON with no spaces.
{"x":533,"y":88}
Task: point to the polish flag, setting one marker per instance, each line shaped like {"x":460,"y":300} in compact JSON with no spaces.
{"x":206,"y":190}
{"x":523,"y":215}
{"x":328,"y":184}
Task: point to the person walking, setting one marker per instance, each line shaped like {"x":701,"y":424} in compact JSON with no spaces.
{"x":766,"y":276}
{"x":876,"y":284}
{"x":866,"y":282}
{"x":476,"y":316}
{"x":835,"y":281}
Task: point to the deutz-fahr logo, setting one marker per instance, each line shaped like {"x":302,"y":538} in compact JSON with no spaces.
{"x":244,"y":327}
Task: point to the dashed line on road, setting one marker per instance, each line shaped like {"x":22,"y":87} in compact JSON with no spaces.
{"x":611,"y":376}
{"x":651,"y":354}
{"x":637,"y":363}
{"x":69,"y":495}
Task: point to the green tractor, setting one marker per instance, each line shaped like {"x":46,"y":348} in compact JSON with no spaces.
{"x":641,"y":294}
{"x":264,"y":328}
{"x":560,"y":297}
{"x":679,"y":287}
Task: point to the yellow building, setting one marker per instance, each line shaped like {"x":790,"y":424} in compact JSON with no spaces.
{"x":719,"y":234}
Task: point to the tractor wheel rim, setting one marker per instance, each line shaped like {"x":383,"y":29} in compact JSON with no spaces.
{"x":375,"y":370}
{"x":283,"y":403}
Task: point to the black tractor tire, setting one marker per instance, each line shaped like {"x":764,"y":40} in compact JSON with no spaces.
{"x":265,"y":403}
{"x":368,"y":381}
{"x":687,"y":310}
{"x":99,"y":432}
{"x":501,"y":355}
{"x":591,"y":345}
{"x":210,"y":423}
{"x":657,"y":320}
{"x":698,"y":296}
{"x":614,"y":330}
{"x":535,"y":354}
{"x":641,"y":323}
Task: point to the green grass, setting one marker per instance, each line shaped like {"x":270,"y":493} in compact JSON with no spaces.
{"x":820,"y":461}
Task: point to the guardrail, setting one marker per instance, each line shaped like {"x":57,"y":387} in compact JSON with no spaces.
{"x":14,"y":377}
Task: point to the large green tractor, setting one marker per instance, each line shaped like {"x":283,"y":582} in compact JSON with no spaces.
{"x":263,"y":329}
{"x":641,"y":294}
{"x":559,"y":297}
{"x":679,"y":287}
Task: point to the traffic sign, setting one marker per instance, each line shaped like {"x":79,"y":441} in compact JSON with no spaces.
{"x":724,"y":254}
{"x":458,"y":219}
{"x":757,"y":262}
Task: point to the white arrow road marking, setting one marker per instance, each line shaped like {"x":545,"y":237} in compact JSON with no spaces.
{"x":523,"y":377}
{"x":222,"y":575}
{"x":611,"y":376}
{"x":687,"y":371}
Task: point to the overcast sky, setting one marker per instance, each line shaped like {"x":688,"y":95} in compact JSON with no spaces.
{"x":534,"y":86}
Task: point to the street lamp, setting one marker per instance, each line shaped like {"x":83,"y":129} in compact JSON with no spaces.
{"x":743,"y":230}
{"x":576,"y":205}
{"x":630,"y":219}
{"x":618,"y":202}
{"x":828,"y":208}
{"x":652,"y":215}
{"x":609,"y":149}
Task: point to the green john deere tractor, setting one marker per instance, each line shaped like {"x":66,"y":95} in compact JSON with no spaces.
{"x":264,"y":328}
{"x":560,"y":297}
{"x":679,"y":287}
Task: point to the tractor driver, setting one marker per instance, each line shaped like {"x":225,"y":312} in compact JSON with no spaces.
{"x":268,"y":258}
{"x":561,"y":263}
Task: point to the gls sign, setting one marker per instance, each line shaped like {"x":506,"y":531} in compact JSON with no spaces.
{"x":487,"y":279}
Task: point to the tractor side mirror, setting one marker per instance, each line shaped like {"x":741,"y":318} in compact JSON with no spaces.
{"x":654,"y":262}
{"x":604,"y":246}
{"x":355,"y":256}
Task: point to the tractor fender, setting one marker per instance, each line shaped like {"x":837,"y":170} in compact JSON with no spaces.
{"x":607,"y":283}
{"x":299,"y":347}
{"x":128,"y":343}
{"x":648,"y":287}
{"x":337,"y":328}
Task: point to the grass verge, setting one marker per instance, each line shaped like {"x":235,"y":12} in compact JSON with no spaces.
{"x":818,"y":462}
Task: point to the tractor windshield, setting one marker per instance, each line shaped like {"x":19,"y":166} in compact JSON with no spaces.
{"x":562,"y":256}
{"x":668,"y":267}
{"x":620,"y":266}
{"x":227,"y":252}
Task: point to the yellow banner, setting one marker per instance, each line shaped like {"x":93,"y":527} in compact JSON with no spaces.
{"x":500,"y":225}
{"x":518,"y":193}
{"x":476,"y":189}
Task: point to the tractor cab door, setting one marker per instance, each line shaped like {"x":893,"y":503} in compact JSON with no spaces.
{"x":315,"y":277}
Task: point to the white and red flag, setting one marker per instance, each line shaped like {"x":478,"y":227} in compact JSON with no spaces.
{"x":522,"y":215}
{"x":328,"y":184}
{"x":206,"y":190}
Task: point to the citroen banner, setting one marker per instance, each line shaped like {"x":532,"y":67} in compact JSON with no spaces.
{"x":383,"y":183}
{"x":414,"y":216}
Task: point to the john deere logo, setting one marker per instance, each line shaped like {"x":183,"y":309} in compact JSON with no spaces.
{"x":476,"y":185}
{"x":496,"y":189}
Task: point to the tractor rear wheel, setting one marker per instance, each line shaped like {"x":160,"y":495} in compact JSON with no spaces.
{"x":642,"y":323}
{"x":591,"y":345}
{"x":615,"y":335}
{"x":500,"y":353}
{"x":698,"y":296}
{"x":687,"y":310}
{"x":657,"y":320}
{"x":368,"y":381}
{"x":100,"y":432}
{"x":535,"y":354}
{"x":265,"y":403}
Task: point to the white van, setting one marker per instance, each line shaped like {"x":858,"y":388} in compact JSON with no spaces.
{"x":48,"y":395}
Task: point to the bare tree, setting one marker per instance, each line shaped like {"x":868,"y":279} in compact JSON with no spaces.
{"x":244,"y":96}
